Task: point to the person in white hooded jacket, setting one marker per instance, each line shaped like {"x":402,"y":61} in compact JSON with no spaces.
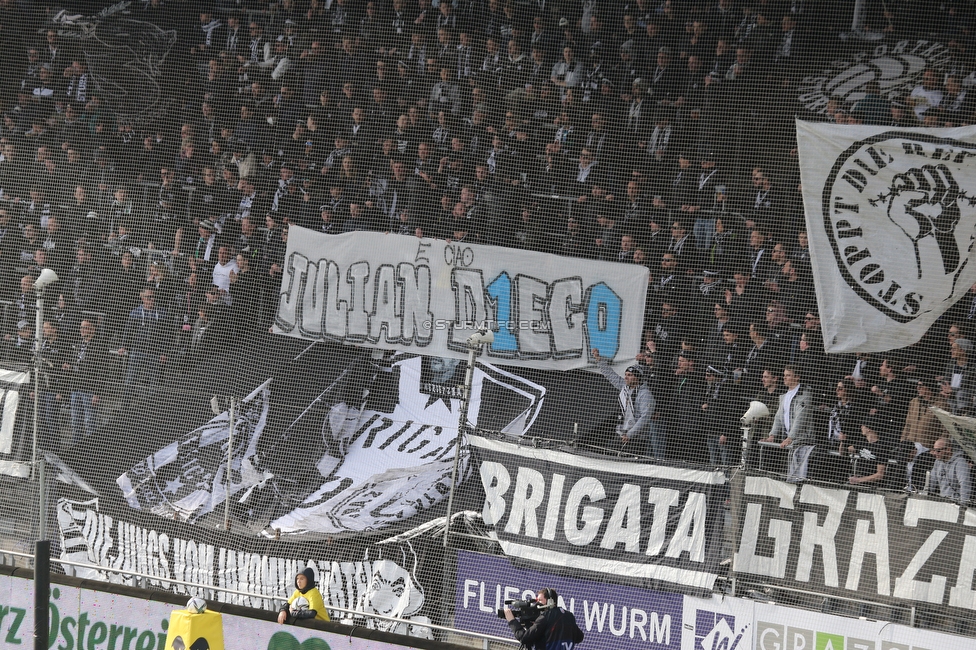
{"x":950,"y":473}
{"x":636,"y":404}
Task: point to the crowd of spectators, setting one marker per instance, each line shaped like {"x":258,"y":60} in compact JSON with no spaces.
{"x":633,"y":131}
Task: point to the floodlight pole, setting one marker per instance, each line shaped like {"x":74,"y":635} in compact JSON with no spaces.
{"x":42,"y":593}
{"x":736,"y":499}
{"x":46,"y":278}
{"x":746,"y":445}
{"x":38,"y":334}
{"x":230,"y":457}
{"x":475,"y":341}
{"x":857,"y":20}
{"x":738,"y":481}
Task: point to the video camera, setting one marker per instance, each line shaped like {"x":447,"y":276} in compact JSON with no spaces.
{"x":526,"y":611}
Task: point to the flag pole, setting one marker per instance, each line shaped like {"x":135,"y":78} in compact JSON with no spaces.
{"x":475,"y":341}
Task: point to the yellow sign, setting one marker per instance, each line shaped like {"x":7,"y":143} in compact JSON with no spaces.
{"x":189,"y":631}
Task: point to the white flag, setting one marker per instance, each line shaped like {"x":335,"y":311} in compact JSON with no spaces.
{"x":891,"y":218}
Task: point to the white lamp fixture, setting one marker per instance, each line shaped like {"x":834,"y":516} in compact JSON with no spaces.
{"x":45,"y":279}
{"x":755,"y":411}
{"x":480,"y":338}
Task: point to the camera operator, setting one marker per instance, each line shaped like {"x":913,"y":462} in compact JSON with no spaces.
{"x":553,"y":629}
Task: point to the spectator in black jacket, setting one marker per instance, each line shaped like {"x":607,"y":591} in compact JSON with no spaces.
{"x":720,"y":414}
{"x":146,"y":339}
{"x":84,"y":368}
{"x":683,"y":414}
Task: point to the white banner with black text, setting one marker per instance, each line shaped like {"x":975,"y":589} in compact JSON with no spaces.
{"x":15,"y":445}
{"x":891,"y":219}
{"x":429,"y":296}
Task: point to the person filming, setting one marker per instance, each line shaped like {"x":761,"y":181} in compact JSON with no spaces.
{"x":553,"y":629}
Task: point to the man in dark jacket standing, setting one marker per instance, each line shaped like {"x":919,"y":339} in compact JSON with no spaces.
{"x":554,"y":629}
{"x":146,"y":340}
{"x":85,"y":370}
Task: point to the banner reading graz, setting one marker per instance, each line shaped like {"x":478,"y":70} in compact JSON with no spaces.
{"x":858,"y":544}
{"x":629,"y":522}
{"x":429,"y":296}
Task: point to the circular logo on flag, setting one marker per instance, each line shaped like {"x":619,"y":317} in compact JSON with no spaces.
{"x":895,"y":67}
{"x":900,"y":212}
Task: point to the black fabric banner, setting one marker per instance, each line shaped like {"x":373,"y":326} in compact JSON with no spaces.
{"x":625,"y":521}
{"x":892,"y":547}
{"x":367,"y":574}
{"x":328,"y":440}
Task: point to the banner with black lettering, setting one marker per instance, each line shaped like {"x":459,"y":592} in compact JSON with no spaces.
{"x":619,"y":521}
{"x":428,"y":296}
{"x":366,"y":575}
{"x":890,"y":215}
{"x":858,"y":544}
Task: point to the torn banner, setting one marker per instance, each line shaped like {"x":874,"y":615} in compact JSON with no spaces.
{"x":347,"y":463}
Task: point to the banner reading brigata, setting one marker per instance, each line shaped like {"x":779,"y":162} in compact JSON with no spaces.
{"x":863,"y":545}
{"x":628,"y":522}
{"x":429,"y":296}
{"x":891,"y":216}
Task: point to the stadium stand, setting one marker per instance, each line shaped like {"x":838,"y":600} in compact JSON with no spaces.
{"x":155,"y":155}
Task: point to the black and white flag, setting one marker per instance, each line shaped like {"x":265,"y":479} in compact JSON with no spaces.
{"x":891,"y":219}
{"x":961,"y":428}
{"x":390,"y":462}
{"x":187,"y":478}
{"x":15,"y":447}
{"x":373,"y":449}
